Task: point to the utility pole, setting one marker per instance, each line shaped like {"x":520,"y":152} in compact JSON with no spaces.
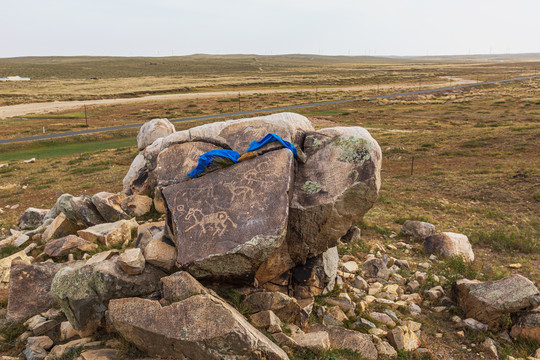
{"x":412,"y":165}
{"x":316,"y":95}
{"x":85,"y":116}
{"x":239,"y":101}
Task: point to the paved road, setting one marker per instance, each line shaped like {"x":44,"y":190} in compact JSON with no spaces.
{"x":268,"y":110}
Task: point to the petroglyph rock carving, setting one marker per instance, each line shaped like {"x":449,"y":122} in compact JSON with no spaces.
{"x":219,"y":236}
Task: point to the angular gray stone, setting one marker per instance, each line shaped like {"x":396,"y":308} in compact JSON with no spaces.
{"x":336,"y":186}
{"x":527,"y":326}
{"x":199,"y":327}
{"x":85,"y":210}
{"x":61,"y":226}
{"x":109,"y":206}
{"x":32,"y":218}
{"x":487,"y":301}
{"x":83,"y":292}
{"x":227,"y":223}
{"x":417,"y":229}
{"x":317,"y":276}
{"x":449,"y":244}
{"x":62,"y":205}
{"x":375,"y":268}
{"x":285,"y":307}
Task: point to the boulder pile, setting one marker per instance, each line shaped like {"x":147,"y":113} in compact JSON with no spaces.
{"x":242,"y":262}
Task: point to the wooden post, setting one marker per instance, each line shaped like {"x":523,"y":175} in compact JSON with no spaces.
{"x":239,"y":101}
{"x":85,"y":116}
{"x":412,"y":165}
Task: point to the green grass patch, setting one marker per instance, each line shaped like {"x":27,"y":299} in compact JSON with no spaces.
{"x":507,"y":240}
{"x":57,"y":149}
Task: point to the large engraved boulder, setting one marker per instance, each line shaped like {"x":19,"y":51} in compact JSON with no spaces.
{"x":227,"y":223}
{"x":199,"y":327}
{"x":334,"y":189}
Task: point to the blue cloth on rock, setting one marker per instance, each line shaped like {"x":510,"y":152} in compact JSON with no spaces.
{"x":270,"y":138}
{"x":209,"y":158}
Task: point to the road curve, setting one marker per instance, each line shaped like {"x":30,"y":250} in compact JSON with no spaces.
{"x":275,"y":109}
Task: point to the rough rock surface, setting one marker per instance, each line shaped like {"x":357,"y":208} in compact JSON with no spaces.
{"x":527,"y":326}
{"x":153,"y":130}
{"x":67,"y":244}
{"x":61,"y":226}
{"x":449,"y":244}
{"x":199,"y":327}
{"x":109,"y":233}
{"x":136,"y":205}
{"x":181,"y":285}
{"x":110,"y":206}
{"x":132,"y":261}
{"x":487,"y":301}
{"x":338,"y":183}
{"x":317,"y":276}
{"x":31,"y":218}
{"x":285,"y":307}
{"x":84,"y":292}
{"x":86,"y":211}
{"x":29,"y":288}
{"x":417,"y":229}
{"x":5,"y":267}
{"x":227,"y":223}
{"x":160,"y":253}
{"x":62,"y":205}
{"x":341,"y":338}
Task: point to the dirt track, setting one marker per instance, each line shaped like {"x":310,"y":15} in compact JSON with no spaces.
{"x":58,"y":106}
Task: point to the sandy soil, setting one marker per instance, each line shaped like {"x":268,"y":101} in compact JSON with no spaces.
{"x":58,"y":106}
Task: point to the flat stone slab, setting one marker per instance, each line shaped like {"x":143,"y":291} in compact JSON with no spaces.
{"x":228,"y":222}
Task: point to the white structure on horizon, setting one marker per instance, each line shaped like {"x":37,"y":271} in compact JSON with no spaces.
{"x":14,"y":78}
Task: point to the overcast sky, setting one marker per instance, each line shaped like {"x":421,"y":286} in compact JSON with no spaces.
{"x":355,"y":27}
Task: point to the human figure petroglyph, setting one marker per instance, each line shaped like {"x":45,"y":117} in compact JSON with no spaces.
{"x":239,"y":191}
{"x":218,"y":220}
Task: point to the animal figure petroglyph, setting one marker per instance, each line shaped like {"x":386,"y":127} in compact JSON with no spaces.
{"x":239,"y":191}
{"x":218,"y":221}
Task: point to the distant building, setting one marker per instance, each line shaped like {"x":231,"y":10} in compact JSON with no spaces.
{"x":14,"y":78}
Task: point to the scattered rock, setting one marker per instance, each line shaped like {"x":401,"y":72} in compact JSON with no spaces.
{"x":316,"y":277}
{"x":417,"y":229}
{"x":161,"y":254}
{"x":5,"y":267}
{"x":83,"y":292}
{"x":375,"y":268}
{"x":66,"y":245}
{"x":449,"y":244}
{"x":199,"y":327}
{"x":110,"y":206}
{"x":86,"y":211}
{"x":350,"y":267}
{"x":136,"y":205}
{"x":385,"y":349}
{"x":132,"y":261}
{"x":180,"y":286}
{"x":61,"y":226}
{"x":526,"y":326}
{"x":29,"y":289}
{"x":29,"y":161}
{"x":100,"y":354}
{"x":109,"y":234}
{"x":403,"y":338}
{"x":285,"y":307}
{"x":153,"y":130}
{"x":475,"y":325}
{"x":353,"y":235}
{"x":31,"y":218}
{"x":341,"y":338}
{"x":67,"y":331}
{"x":266,"y":320}
{"x":487,"y":301}
{"x":489,"y":346}
{"x":315,"y":341}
